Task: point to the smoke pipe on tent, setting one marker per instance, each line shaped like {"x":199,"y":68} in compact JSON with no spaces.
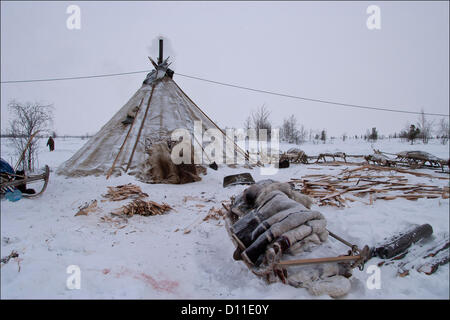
{"x":160,"y":58}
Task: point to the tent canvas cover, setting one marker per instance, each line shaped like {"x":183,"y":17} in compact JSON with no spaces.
{"x":153,"y":112}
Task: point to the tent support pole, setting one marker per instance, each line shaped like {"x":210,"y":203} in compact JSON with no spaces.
{"x":126,"y":138}
{"x":140,"y":128}
{"x":196,"y":140}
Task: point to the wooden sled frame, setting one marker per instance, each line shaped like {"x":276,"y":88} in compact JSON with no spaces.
{"x":27,"y":179}
{"x":355,"y":257}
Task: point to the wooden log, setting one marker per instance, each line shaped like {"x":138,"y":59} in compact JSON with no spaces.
{"x":399,"y":244}
{"x":432,"y":266}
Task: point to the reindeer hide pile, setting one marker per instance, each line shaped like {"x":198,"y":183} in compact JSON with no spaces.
{"x":270,"y":221}
{"x":159,"y":167}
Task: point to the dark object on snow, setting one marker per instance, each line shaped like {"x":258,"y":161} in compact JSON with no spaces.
{"x":213,"y":166}
{"x":20,"y":175}
{"x":13,"y":254}
{"x":399,"y":244}
{"x":283,"y":164}
{"x":51,"y":144}
{"x":241,"y":178}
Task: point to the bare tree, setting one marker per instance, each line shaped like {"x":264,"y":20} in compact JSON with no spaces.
{"x":260,"y":120}
{"x":28,"y":119}
{"x":292,"y":132}
{"x":289,"y":132}
{"x":444,"y":130}
{"x":248,"y":123}
{"x":425,"y":127}
{"x":303,"y":133}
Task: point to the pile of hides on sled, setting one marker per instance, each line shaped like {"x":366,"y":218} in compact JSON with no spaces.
{"x":270,"y":222}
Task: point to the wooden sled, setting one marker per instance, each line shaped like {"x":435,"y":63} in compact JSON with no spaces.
{"x":355,"y":257}
{"x":19,"y":179}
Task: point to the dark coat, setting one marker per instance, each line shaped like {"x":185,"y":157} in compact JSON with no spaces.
{"x":51,"y":144}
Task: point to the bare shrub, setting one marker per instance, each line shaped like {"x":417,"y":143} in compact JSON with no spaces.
{"x":27,"y":119}
{"x":444,"y":130}
{"x":425,"y":126}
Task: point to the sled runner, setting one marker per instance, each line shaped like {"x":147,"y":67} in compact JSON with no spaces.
{"x":13,"y":181}
{"x":9,"y":181}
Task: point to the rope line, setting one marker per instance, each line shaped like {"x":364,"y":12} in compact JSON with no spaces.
{"x":341,"y":104}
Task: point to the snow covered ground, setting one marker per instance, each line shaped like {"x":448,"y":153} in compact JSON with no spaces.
{"x":151,"y":257}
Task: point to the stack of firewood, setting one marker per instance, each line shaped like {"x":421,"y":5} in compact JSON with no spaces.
{"x":137,"y":206}
{"x":354,"y":184}
{"x":143,"y":208}
{"x":125,"y":192}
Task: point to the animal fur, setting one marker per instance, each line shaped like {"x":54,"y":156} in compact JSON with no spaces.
{"x":163,"y":170}
{"x":261,"y":193}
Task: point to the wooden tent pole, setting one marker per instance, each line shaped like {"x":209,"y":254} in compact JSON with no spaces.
{"x":123,"y":144}
{"x":140,"y":128}
{"x":202,"y":149}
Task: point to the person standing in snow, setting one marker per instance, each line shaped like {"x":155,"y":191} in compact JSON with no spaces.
{"x":51,"y":143}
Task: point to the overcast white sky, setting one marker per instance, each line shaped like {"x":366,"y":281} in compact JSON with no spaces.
{"x":320,"y":50}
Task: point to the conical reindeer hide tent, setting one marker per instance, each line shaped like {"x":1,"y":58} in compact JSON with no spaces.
{"x":124,"y":144}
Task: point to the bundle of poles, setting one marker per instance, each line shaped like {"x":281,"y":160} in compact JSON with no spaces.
{"x":352,"y":185}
